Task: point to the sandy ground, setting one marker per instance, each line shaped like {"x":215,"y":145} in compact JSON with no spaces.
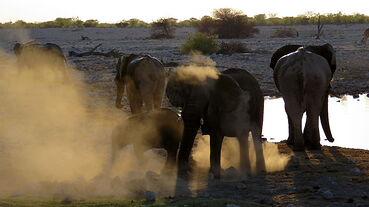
{"x":333,"y":177}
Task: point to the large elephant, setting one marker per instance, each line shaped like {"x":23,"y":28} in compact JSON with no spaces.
{"x":34,"y":55}
{"x":145,"y":80}
{"x":154,"y":129}
{"x":228,"y":104}
{"x":303,"y":78}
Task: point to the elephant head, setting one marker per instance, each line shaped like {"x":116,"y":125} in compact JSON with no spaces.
{"x":325,"y":50}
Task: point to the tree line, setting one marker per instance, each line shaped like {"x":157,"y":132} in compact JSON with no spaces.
{"x":259,"y":19}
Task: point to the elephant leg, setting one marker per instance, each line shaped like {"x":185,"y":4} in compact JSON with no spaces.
{"x":311,"y":130}
{"x":135,"y":99}
{"x":245,"y":165}
{"x":159,"y":94}
{"x":185,"y":148}
{"x":294,"y":111}
{"x":171,"y":160}
{"x":291,"y":138}
{"x":158,"y":98}
{"x":258,"y":145}
{"x":216,"y":141}
{"x":148,"y":96}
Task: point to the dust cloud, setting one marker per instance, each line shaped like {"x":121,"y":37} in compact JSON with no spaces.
{"x":274,"y":161}
{"x":54,"y":142}
{"x":200,"y":69}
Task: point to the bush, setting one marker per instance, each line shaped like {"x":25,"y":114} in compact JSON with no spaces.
{"x":227,"y":23}
{"x":232,"y":47}
{"x":200,"y":42}
{"x":285,"y":32}
{"x":163,"y":28}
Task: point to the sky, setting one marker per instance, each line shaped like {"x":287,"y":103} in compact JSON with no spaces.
{"x":112,"y":11}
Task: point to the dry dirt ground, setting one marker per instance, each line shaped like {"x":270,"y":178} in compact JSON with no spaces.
{"x":332,"y":177}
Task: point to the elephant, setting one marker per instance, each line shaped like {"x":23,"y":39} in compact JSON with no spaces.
{"x":153,"y":129}
{"x":303,"y":78}
{"x":228,"y":104}
{"x":34,"y":55}
{"x":145,"y":79}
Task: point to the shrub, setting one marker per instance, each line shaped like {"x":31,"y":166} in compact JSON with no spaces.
{"x":285,"y":32}
{"x":163,"y":28}
{"x":232,"y":47}
{"x":227,"y":23}
{"x":91,"y":23}
{"x":200,"y":42}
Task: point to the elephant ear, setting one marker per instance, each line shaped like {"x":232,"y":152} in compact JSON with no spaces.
{"x":287,"y":49}
{"x":122,"y":65}
{"x":226,"y":94}
{"x":327,"y":52}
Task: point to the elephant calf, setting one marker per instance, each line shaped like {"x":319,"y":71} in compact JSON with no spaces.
{"x":144,"y":77}
{"x":34,"y":55}
{"x":155,"y":129}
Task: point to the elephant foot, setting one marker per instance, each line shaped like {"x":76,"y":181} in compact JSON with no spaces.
{"x":315,"y":146}
{"x":290,"y":141}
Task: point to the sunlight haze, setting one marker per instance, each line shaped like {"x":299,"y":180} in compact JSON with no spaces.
{"x":112,"y":11}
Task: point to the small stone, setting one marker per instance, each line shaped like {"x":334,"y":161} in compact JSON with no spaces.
{"x":204,"y":194}
{"x":355,"y":96}
{"x":351,"y":160}
{"x":267,"y":201}
{"x":318,"y":156}
{"x":350,"y":200}
{"x":211,"y":176}
{"x":150,"y":196}
{"x":232,"y":205}
{"x":327,"y":194}
{"x":240,"y":186}
{"x":355,"y":170}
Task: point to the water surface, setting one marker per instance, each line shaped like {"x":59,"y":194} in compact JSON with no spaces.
{"x":349,"y":120}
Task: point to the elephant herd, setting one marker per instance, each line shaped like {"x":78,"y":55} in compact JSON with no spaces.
{"x":228,"y":103}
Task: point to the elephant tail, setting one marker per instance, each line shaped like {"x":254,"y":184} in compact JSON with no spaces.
{"x":325,"y":120}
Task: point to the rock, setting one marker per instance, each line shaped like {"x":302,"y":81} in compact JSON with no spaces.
{"x":355,"y":96}
{"x":232,"y":205}
{"x":355,"y":170}
{"x":327,"y":194}
{"x":150,"y":196}
{"x":240,"y":186}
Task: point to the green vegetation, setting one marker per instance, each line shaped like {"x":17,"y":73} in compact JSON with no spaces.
{"x":191,"y":202}
{"x":259,"y":19}
{"x":200,"y":42}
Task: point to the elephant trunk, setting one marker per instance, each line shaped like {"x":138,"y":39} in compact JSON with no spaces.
{"x":324,"y":119}
{"x":120,"y":92}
